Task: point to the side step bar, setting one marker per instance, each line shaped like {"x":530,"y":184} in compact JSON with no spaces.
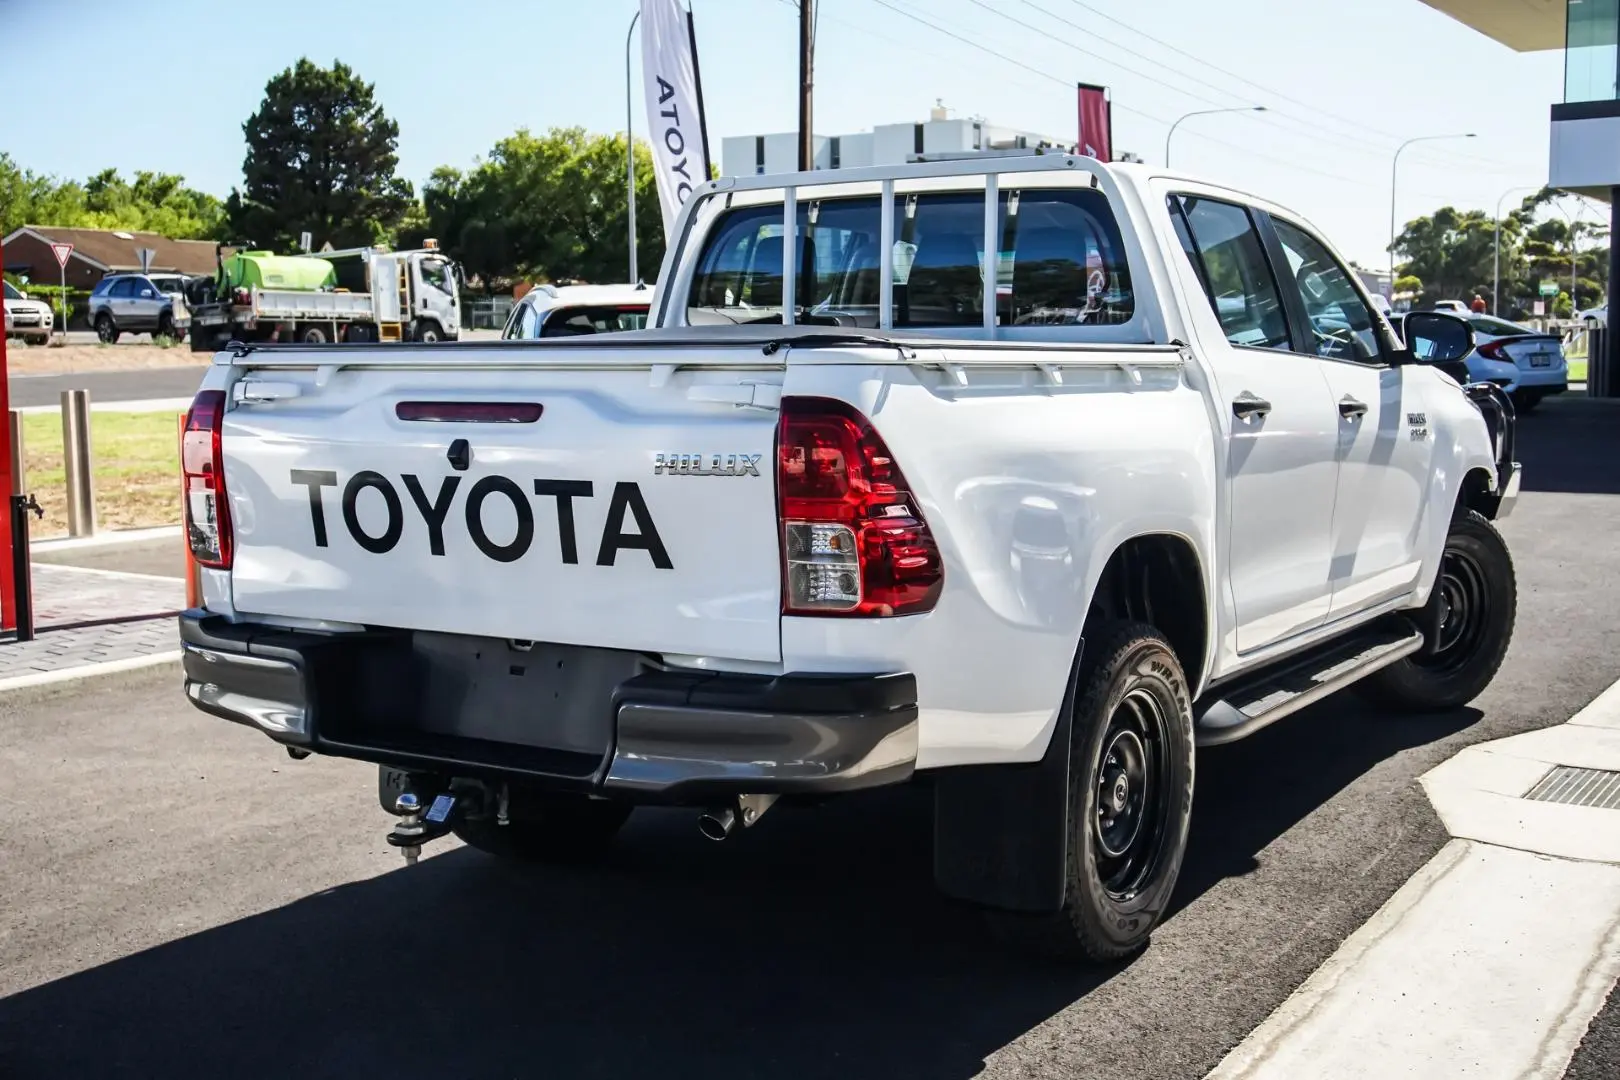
{"x":1251,"y":705}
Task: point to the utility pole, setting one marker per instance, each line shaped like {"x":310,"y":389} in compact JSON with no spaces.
{"x":807,"y":65}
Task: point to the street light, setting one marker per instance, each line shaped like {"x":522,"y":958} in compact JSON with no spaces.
{"x":1203,"y":112}
{"x":630,"y":144}
{"x":1392,"y":173}
{"x":1496,"y":256}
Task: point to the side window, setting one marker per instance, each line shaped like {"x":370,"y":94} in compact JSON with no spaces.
{"x":1223,"y":245}
{"x":123,"y":288}
{"x":520,"y":324}
{"x":1341,"y":323}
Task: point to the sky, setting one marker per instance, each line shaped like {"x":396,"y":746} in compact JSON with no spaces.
{"x":1343,"y":81}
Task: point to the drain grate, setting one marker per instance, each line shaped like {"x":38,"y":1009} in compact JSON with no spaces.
{"x":1579,"y":787}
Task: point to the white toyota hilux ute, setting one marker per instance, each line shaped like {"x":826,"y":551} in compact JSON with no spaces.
{"x":1018,"y":476}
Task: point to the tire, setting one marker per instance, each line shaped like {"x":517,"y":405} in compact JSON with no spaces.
{"x":312,"y":335}
{"x":42,"y":339}
{"x":202,"y":341}
{"x":165,"y":328}
{"x":1526,"y":401}
{"x":1471,"y":612}
{"x":552,"y":829}
{"x":1118,"y":880}
{"x":428,"y":333}
{"x":107,"y":331}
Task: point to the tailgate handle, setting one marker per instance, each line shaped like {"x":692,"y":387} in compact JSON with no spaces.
{"x":746,"y":395}
{"x":249,"y":391}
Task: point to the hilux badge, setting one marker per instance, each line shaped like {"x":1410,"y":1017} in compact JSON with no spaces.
{"x":706,"y":464}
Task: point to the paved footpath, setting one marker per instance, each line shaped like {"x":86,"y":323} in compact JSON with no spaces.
{"x":88,"y":620}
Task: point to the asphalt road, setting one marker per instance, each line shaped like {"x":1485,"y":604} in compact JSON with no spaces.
{"x":140,"y":385}
{"x":182,"y":898}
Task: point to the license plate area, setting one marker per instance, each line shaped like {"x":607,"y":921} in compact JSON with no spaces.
{"x":493,"y":704}
{"x":1541,"y":359}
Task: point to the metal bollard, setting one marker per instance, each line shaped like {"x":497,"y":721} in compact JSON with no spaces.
{"x":19,"y":463}
{"x":81,"y":497}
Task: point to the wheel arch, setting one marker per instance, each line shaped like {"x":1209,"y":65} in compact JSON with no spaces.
{"x":1160,"y":578}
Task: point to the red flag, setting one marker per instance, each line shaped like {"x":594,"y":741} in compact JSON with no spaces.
{"x":1096,"y":123}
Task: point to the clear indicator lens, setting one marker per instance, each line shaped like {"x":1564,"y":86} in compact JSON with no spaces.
{"x":823,"y":568}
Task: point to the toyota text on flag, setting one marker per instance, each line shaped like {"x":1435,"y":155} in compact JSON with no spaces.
{"x":674,"y":105}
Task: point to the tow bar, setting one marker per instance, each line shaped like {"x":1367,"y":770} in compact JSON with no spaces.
{"x":417,"y":827}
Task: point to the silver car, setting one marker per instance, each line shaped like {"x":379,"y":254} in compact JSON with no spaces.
{"x":28,"y":319}
{"x":140,"y":303}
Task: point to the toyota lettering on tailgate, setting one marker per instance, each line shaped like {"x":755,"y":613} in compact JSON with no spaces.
{"x":629,"y":524}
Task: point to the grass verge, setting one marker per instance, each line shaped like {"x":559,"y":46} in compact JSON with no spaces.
{"x":1577,"y":370}
{"x":135,"y":468}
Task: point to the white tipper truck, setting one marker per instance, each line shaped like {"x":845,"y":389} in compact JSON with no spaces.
{"x":1018,"y":477}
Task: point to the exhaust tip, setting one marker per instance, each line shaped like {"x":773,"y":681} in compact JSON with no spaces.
{"x":717,"y":824}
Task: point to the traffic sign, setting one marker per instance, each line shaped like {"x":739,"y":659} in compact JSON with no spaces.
{"x":146,"y":255}
{"x":62,"y":251}
{"x":1549,"y":288}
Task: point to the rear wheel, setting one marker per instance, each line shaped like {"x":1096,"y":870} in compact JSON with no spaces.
{"x":1468,"y":623}
{"x":551,"y":828}
{"x":313,"y":335}
{"x":1130,"y":798}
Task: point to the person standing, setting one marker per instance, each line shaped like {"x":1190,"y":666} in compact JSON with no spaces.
{"x":1478,"y":306}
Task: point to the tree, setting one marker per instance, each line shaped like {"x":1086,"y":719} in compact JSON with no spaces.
{"x":321,"y":155}
{"x":154,"y":202}
{"x":547,"y":208}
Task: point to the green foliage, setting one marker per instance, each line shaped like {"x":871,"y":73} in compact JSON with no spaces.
{"x":321,"y":155}
{"x":547,"y":208}
{"x":1453,"y":253}
{"x":153,"y":202}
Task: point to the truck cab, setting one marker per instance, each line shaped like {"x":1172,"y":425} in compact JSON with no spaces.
{"x":417,"y":289}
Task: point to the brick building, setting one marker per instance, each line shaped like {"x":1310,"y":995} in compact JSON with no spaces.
{"x":99,"y":252}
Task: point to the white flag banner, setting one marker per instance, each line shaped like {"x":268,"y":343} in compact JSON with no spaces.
{"x":674,"y":104}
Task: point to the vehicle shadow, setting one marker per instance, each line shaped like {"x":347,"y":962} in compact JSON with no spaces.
{"x":812,"y":946}
{"x":1570,"y":445}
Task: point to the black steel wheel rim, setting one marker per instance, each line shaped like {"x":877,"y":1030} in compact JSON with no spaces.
{"x":1464,"y":599}
{"x":1131,"y":792}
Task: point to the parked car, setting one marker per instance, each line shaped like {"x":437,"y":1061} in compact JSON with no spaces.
{"x":1525,"y":362}
{"x":139,"y":303}
{"x":885,"y":527}
{"x":1455,"y":306}
{"x":568,"y":310}
{"x":1598,"y":316}
{"x":28,"y":319}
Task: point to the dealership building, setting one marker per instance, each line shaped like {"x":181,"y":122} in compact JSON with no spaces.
{"x":1584,"y":154}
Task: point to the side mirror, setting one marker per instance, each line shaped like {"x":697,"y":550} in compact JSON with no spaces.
{"x":1435,"y":337}
{"x":146,"y":294}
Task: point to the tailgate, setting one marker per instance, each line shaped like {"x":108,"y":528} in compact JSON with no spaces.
{"x":566,"y":527}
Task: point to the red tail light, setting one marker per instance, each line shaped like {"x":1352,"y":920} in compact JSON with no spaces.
{"x":202,"y":466}
{"x":1493,"y":350}
{"x":854,"y":542}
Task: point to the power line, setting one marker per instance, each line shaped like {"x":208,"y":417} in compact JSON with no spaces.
{"x":1244,"y":79}
{"x":1069,"y":83}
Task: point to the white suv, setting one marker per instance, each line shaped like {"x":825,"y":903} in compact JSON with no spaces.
{"x":28,"y":319}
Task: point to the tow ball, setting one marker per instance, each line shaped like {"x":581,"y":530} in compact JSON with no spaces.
{"x":417,"y":825}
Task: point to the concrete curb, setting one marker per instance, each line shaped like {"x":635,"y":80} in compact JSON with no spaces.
{"x":86,"y":671}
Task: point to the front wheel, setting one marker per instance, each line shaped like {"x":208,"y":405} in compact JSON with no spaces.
{"x":1130,"y":798}
{"x":551,"y":828}
{"x":1467,"y":623}
{"x":106,"y":331}
{"x":428,"y":332}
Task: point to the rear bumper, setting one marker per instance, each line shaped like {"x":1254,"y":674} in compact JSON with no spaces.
{"x":648,"y":735}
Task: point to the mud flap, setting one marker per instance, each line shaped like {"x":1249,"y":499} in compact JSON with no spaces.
{"x":1001,"y":832}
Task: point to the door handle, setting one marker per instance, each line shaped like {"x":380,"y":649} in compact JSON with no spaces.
{"x":1350,"y":408}
{"x":1247,"y":404}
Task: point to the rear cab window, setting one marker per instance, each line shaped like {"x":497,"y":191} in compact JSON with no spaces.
{"x":1060,"y":261}
{"x":593,"y":319}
